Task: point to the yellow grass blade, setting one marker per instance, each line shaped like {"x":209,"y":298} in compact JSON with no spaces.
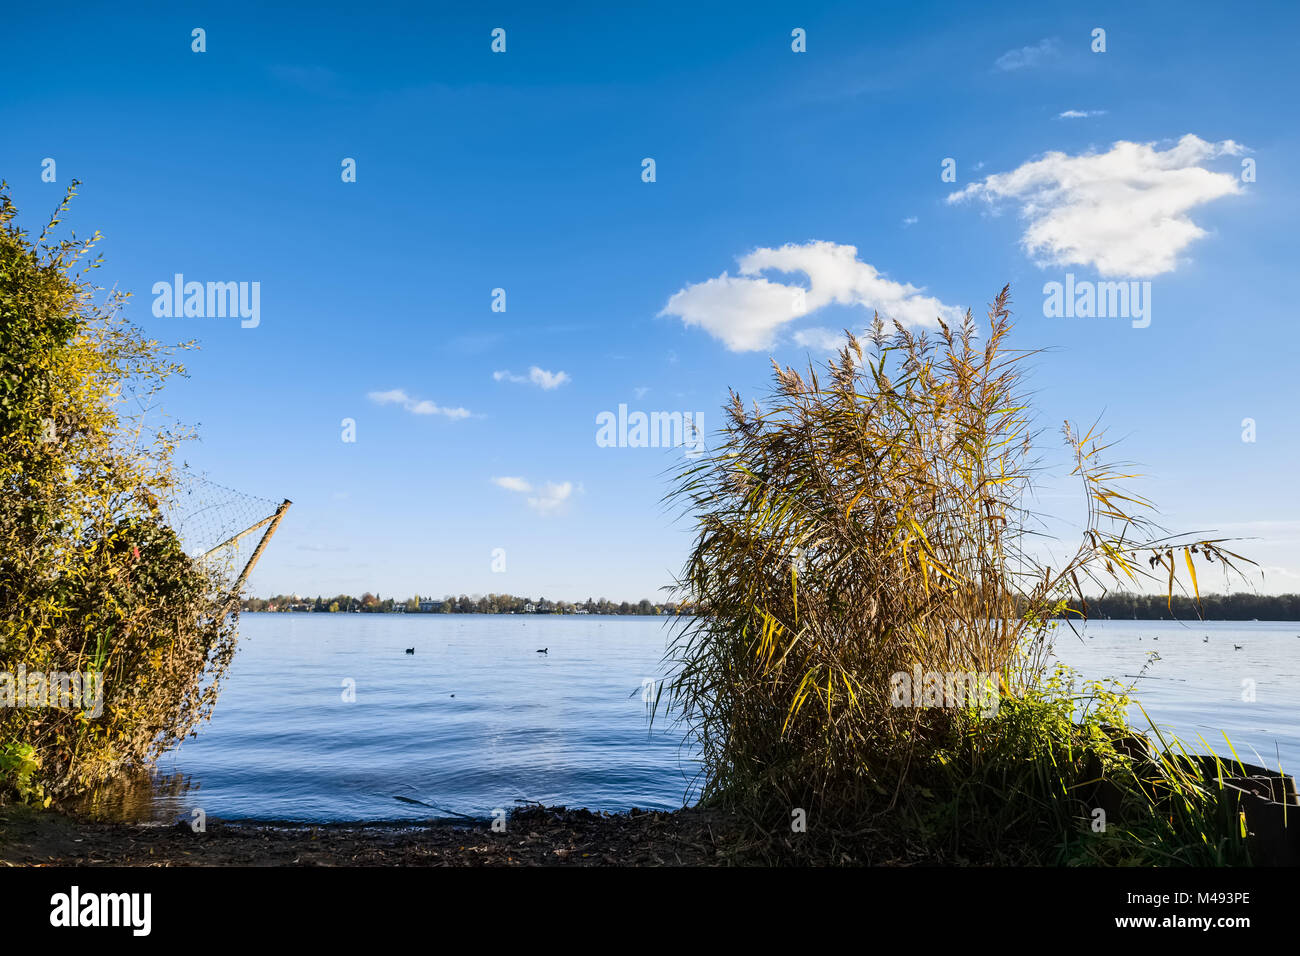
{"x":1191,"y":569}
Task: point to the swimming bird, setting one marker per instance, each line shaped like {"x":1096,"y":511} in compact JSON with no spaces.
{"x":1207,"y":639}
{"x":542,"y":650}
{"x":1236,"y":647}
{"x":410,"y":650}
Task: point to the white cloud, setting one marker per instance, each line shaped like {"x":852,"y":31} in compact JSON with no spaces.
{"x":746,"y":311}
{"x":1028,"y":56}
{"x":1273,"y":572}
{"x":1124,"y":211}
{"x":1080,"y":114}
{"x":827,"y":340}
{"x":641,"y":390}
{"x":513,"y":484}
{"x":397,"y":396}
{"x":550,"y":497}
{"x":547,"y":380}
{"x":536,"y":376}
{"x":910,"y":221}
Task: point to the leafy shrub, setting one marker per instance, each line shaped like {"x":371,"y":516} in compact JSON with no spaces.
{"x":91,"y":577}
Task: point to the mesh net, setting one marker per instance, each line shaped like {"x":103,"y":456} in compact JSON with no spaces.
{"x":218,"y":525}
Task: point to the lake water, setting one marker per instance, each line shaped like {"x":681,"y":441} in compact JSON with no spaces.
{"x":1196,"y":687}
{"x":476,"y":720}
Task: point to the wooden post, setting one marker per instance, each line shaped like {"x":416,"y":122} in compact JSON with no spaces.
{"x":274,"y":522}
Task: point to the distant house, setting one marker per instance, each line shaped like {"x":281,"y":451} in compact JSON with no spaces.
{"x":428,"y":606}
{"x":530,"y":608}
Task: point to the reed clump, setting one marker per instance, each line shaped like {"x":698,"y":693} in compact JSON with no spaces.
{"x":876,"y":617}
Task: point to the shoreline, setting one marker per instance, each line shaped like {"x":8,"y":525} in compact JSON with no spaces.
{"x":534,"y":836}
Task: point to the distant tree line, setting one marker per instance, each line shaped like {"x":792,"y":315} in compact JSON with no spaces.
{"x":450,"y":604}
{"x":1121,"y":605}
{"x":1213,"y":607}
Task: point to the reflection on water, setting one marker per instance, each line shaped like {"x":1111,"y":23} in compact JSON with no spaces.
{"x":136,"y":796}
{"x":476,"y":720}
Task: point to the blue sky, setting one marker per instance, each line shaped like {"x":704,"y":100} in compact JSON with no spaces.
{"x":523,"y":171}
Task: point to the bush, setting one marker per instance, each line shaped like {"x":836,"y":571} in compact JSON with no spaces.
{"x":92,"y":580}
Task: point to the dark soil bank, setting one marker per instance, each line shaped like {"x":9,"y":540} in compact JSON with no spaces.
{"x":535,"y":836}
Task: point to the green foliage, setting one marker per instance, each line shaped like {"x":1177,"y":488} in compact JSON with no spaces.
{"x":1052,"y":777}
{"x":91,"y":577}
{"x":18,"y":766}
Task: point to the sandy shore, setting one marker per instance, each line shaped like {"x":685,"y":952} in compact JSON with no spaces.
{"x":534,"y":836}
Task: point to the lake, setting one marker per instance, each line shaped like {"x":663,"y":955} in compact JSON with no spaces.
{"x":476,"y":720}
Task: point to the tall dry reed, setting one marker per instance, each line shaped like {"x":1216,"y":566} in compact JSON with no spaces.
{"x":870,"y":519}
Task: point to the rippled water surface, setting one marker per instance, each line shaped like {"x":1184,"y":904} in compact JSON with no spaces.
{"x":1197,"y":688}
{"x":477,"y":720}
